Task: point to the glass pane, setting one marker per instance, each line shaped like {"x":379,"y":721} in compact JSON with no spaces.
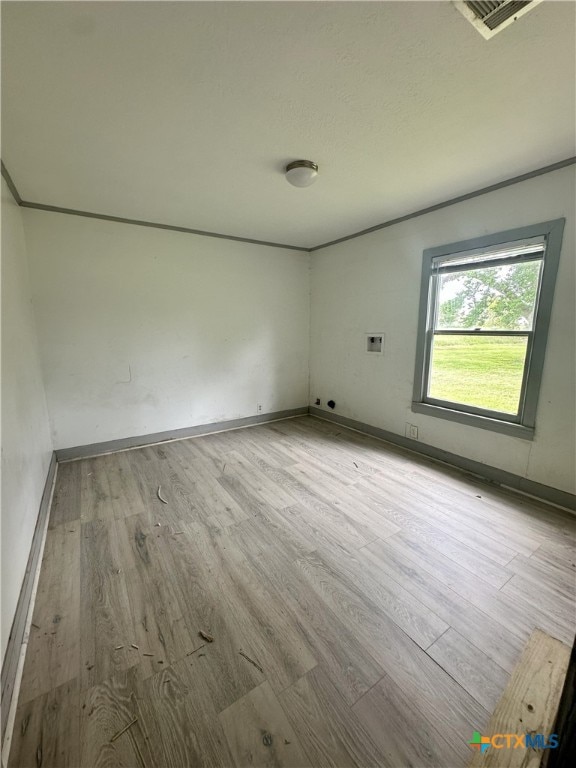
{"x":483,"y":371}
{"x":491,"y":298}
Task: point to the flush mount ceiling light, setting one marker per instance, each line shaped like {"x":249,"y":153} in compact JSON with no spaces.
{"x":301,"y":173}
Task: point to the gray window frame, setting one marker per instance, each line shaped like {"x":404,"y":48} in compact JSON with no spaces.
{"x":524,"y":423}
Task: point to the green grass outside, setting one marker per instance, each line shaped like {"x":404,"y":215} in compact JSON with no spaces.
{"x":485,"y":372}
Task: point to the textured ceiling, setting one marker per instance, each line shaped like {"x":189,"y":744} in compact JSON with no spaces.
{"x":185,"y":113}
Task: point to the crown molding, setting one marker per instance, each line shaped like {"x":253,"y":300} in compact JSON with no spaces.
{"x":451,"y":201}
{"x":11,"y":186}
{"x":203,"y":233}
{"x":157,"y":225}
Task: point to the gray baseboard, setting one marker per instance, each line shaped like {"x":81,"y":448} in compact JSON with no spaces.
{"x":122,"y":444}
{"x":10,"y":665}
{"x":486,"y":471}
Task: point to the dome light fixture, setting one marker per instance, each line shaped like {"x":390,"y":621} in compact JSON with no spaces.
{"x":301,"y":173}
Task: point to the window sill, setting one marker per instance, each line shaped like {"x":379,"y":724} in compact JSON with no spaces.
{"x":472,"y":420}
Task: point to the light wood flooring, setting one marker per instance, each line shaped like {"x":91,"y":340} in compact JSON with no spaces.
{"x":380,"y":602}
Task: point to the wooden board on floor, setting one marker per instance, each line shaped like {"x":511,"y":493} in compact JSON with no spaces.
{"x":529,"y":703}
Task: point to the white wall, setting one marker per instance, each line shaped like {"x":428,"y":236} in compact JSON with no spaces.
{"x":372,"y":284}
{"x":26,"y":443}
{"x":144,"y":330}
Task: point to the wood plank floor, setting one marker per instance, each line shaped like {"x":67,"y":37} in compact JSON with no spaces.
{"x":367,"y":606}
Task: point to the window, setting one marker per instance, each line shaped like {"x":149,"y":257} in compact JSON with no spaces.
{"x":484,"y":314}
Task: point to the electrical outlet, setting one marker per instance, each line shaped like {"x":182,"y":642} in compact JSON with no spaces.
{"x":259,"y":408}
{"x":318,"y":401}
{"x":413,"y":431}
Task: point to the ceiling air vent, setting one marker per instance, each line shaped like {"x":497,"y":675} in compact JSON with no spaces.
{"x":491,"y":16}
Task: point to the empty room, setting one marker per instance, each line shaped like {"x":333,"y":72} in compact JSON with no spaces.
{"x":288,"y":384}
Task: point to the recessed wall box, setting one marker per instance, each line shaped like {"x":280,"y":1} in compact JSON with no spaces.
{"x":375,"y":343}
